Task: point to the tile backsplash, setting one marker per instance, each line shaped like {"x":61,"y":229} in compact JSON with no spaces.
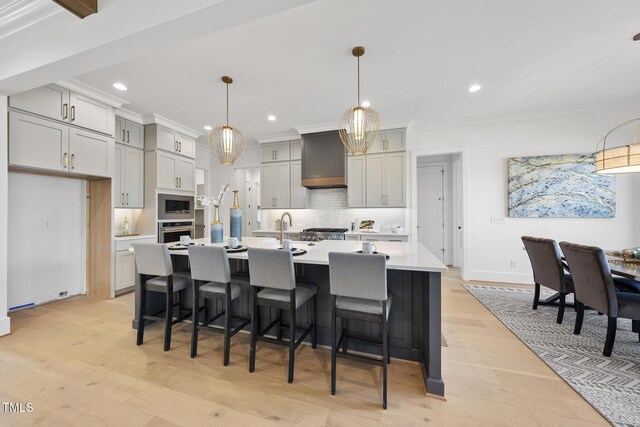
{"x":328,"y":208}
{"x":133,"y":215}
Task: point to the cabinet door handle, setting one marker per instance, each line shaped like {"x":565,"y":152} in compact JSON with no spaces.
{"x":175,"y":146}
{"x":65,"y":111}
{"x":122,"y":199}
{"x":127,"y":199}
{"x":127,"y":137}
{"x":176,"y":182}
{"x":73,"y":161}
{"x":73,"y":112}
{"x":65,"y":160}
{"x":180,"y":148}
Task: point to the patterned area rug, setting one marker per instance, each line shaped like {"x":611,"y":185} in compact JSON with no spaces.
{"x":610,"y":385}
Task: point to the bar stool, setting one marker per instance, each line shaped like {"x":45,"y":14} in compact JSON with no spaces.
{"x":359,"y":291}
{"x":272,"y":270}
{"x":211,"y":277}
{"x":156,"y":274}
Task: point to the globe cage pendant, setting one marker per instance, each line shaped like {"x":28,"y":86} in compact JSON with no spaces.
{"x":226,"y":142}
{"x":359,"y":126}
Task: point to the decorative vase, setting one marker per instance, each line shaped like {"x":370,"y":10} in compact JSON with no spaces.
{"x":217,"y":235}
{"x":236,"y":218}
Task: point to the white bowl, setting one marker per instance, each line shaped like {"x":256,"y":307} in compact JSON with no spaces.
{"x":397,"y":230}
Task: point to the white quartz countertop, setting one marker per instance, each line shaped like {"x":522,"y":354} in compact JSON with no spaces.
{"x":410,"y":256}
{"x":136,"y":237}
{"x":375,"y":233}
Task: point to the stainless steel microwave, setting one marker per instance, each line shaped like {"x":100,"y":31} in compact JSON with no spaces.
{"x":171,"y":206}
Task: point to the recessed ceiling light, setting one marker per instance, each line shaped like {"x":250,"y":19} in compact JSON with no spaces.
{"x":366,"y":104}
{"x":474,"y":88}
{"x":208,"y":127}
{"x":271,"y":118}
{"x":119,"y":86}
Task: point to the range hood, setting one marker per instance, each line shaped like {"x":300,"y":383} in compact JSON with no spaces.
{"x":324,"y":160}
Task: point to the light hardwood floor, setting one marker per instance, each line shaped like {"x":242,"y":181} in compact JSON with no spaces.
{"x":77,"y":362}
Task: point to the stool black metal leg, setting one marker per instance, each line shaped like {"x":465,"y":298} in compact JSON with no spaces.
{"x":227,"y":323}
{"x":195,"y":320}
{"x":314,"y":333}
{"x":333,"y":344}
{"x":255,"y":315}
{"x":345,"y":328}
{"x":169,"y":314}
{"x":142,"y":310}
{"x":292,"y":334}
{"x":385,"y":354}
{"x":279,"y":327}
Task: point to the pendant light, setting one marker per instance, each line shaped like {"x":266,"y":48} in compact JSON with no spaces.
{"x":227,"y":142}
{"x":616,"y":160}
{"x":359,"y":126}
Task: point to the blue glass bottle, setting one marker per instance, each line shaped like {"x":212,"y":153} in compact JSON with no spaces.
{"x":236,"y":218}
{"x":217,"y":235}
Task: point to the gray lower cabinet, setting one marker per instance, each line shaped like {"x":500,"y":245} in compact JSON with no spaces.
{"x":125,"y":270}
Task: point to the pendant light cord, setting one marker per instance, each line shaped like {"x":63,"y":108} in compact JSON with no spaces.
{"x":358,"y":81}
{"x":227,"y":104}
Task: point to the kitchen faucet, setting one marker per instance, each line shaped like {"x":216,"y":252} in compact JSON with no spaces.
{"x":282,"y":226}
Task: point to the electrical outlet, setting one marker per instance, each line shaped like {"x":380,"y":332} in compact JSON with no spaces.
{"x":46,"y":223}
{"x":497,"y":220}
{"x":514,"y":264}
{"x":62,"y":294}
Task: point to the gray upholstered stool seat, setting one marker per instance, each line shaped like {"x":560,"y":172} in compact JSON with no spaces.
{"x":623,"y":284}
{"x":212,"y":289}
{"x":155,"y":268}
{"x":362,"y":305}
{"x":274,"y":285}
{"x":304,"y":292}
{"x":359,"y":291}
{"x":159,"y":284}
{"x":211,"y":274}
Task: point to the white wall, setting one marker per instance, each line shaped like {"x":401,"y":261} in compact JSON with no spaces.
{"x":45,"y":261}
{"x":487,"y":146}
{"x":4,"y":320}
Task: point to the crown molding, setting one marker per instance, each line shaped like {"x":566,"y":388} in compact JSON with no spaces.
{"x":129,"y":115}
{"x":17,"y":15}
{"x":277,"y":138}
{"x":325,"y":127}
{"x":92,"y":92}
{"x":151,"y":118}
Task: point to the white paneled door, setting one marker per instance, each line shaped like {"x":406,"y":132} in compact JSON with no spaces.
{"x":430,"y":187}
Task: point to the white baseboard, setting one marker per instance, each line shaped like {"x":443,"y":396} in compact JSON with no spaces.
{"x":5,"y":326}
{"x":499,"y":276}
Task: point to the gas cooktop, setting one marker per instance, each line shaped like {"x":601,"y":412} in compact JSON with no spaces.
{"x":317,"y":234}
{"x":325,"y":230}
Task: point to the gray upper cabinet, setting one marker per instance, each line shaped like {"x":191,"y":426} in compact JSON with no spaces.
{"x":128,"y":177}
{"x":275,"y":185}
{"x":38,"y":143}
{"x":160,"y":138}
{"x":276,"y":152}
{"x":299,"y":194}
{"x":356,"y":185}
{"x":296,"y":150}
{"x":58,"y":103}
{"x":90,"y":153}
{"x":91,"y":114}
{"x":129,"y":133}
{"x":390,"y":140}
{"x":49,"y":101}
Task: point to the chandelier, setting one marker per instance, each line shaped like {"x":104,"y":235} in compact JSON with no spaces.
{"x":622,"y":159}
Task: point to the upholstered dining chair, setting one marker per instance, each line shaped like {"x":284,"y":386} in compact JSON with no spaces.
{"x":594,"y":287}
{"x":155,"y":268}
{"x":548,"y":271}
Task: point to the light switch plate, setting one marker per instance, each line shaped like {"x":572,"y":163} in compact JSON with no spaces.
{"x":497,"y":220}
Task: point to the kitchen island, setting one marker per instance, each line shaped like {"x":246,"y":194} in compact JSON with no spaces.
{"x":413,"y":278}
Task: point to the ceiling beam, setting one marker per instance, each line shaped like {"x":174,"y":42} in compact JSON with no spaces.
{"x":80,"y":8}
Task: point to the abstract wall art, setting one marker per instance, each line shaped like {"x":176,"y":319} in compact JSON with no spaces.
{"x":559,"y":186}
